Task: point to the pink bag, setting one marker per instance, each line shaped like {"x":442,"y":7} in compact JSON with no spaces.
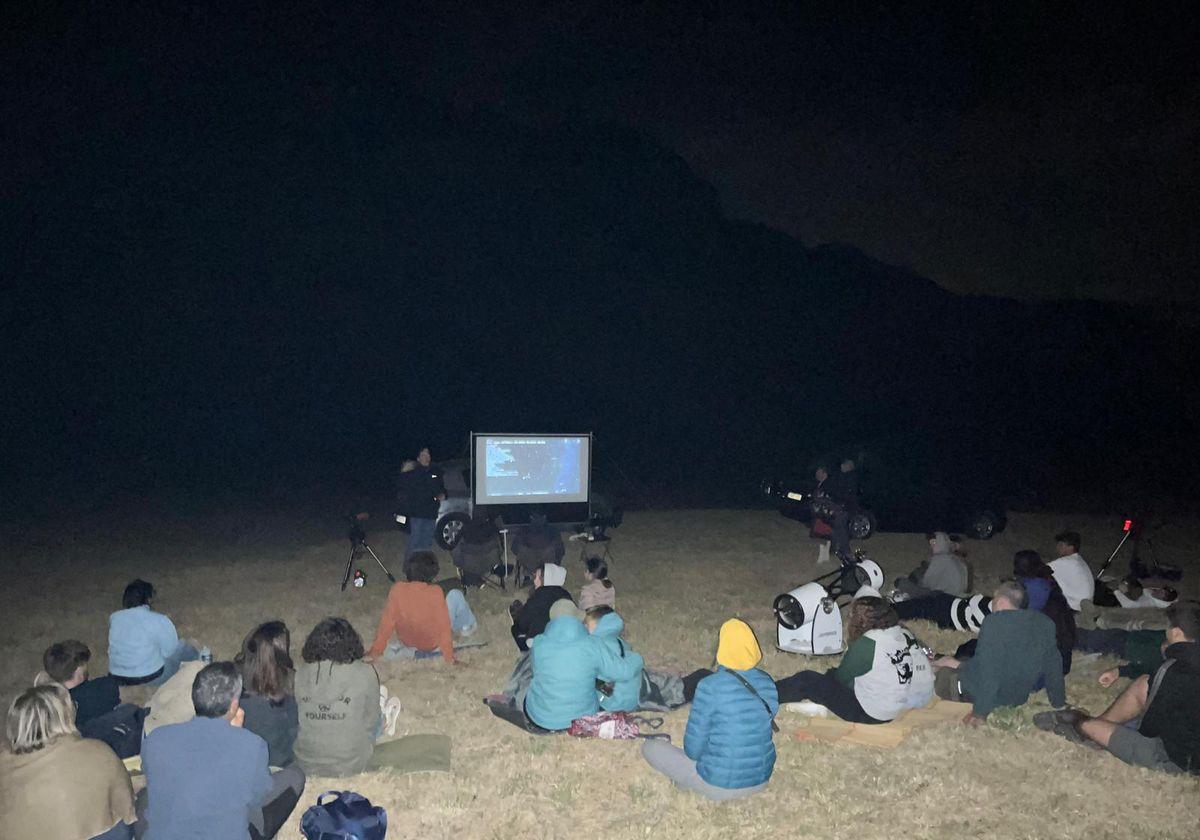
{"x":614,"y":726}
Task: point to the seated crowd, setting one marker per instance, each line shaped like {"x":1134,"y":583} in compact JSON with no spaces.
{"x":226,"y":747}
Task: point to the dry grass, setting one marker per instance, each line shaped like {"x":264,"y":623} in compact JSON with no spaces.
{"x":678,"y":575}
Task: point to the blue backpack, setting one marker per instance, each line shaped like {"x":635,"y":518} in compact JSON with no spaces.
{"x":348,"y":816}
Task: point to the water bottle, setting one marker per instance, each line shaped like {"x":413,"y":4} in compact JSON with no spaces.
{"x":205,"y":655}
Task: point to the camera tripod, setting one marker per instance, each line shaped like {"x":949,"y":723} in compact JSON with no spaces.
{"x":358,"y":545}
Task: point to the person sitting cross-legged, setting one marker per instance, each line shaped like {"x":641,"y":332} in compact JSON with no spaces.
{"x":728,"y":750}
{"x":209,"y":777}
{"x":422,"y":616}
{"x":883,"y":672}
{"x":1017,"y":652}
{"x":1155,"y":722}
{"x":55,"y":783}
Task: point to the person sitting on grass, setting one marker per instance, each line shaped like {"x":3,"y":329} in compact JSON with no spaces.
{"x":728,"y":751}
{"x":883,"y":672}
{"x":268,"y":699}
{"x":567,"y":664}
{"x":338,"y":698}
{"x":1016,"y":654}
{"x":1072,"y":572}
{"x":944,"y":571}
{"x":598,"y":589}
{"x":1155,"y":722}
{"x":1046,"y":597}
{"x":531,"y":618}
{"x":606,"y":628}
{"x":423,"y":616}
{"x":53,"y":782}
{"x":67,"y":664}
{"x":143,"y":646}
{"x":209,"y":777}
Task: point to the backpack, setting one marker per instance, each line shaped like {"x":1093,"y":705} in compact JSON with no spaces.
{"x":661,"y":691}
{"x":120,"y":728}
{"x":614,"y":726}
{"x":348,"y":816}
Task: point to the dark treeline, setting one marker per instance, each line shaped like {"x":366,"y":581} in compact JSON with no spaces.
{"x":241,"y":268}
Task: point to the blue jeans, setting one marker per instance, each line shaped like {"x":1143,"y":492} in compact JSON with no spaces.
{"x":420,"y":535}
{"x":462,"y":620}
{"x":120,"y":831}
{"x":183,"y":653}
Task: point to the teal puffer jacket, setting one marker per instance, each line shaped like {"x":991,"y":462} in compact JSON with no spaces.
{"x":627,"y":694}
{"x":728,"y":732}
{"x":567,"y":661}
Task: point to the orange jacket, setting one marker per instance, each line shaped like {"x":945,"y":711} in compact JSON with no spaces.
{"x":416,"y":612}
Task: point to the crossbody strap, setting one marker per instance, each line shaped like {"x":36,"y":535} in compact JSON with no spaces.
{"x":750,"y":688}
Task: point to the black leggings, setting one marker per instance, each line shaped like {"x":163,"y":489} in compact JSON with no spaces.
{"x":825,"y":689}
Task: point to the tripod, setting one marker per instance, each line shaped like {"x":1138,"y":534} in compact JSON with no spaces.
{"x":358,"y":544}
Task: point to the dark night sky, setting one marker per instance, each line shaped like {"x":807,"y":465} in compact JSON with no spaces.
{"x":291,"y":240}
{"x":1022,"y":149}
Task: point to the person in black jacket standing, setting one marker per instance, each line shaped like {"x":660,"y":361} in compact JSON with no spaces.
{"x":421,"y":494}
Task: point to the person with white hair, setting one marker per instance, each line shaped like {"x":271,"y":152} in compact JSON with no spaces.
{"x":1016,"y":654}
{"x":56,"y":783}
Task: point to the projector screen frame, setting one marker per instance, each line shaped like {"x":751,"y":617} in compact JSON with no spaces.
{"x":520,"y":512}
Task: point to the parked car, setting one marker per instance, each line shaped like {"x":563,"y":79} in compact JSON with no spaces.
{"x":910,"y":488}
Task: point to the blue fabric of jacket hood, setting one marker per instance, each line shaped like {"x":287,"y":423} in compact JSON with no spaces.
{"x":627,"y":694}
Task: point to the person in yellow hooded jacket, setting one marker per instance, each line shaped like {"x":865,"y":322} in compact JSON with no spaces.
{"x":728,"y":750}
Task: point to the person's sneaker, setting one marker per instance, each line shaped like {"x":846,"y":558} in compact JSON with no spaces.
{"x":391,"y":713}
{"x":896,"y":596}
{"x":1068,"y":731}
{"x":1048,"y":721}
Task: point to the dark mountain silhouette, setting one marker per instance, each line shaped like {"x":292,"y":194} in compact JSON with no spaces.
{"x":233,"y":273}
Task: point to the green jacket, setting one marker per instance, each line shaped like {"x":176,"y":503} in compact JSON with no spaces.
{"x":1016,"y":655}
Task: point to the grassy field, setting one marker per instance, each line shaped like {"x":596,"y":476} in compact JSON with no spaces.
{"x":678,"y":576}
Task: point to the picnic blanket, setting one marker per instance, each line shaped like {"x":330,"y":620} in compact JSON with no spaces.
{"x":412,"y":754}
{"x":885,"y":735}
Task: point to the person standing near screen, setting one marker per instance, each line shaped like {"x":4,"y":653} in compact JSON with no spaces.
{"x":425,"y":494}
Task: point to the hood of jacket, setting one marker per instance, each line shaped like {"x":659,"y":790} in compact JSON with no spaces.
{"x":609,"y":626}
{"x":737,"y":648}
{"x":941,"y":543}
{"x":565,"y":628}
{"x":1186,"y":656}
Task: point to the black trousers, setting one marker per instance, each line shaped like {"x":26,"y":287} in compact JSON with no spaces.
{"x":824,"y":688}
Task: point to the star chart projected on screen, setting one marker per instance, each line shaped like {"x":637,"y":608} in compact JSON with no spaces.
{"x":533,"y":469}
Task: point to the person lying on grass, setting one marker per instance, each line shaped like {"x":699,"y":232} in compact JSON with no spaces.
{"x":1017,"y":652}
{"x":567,"y":664}
{"x":423,"y":616}
{"x":883,"y":672}
{"x":728,"y":750}
{"x":1141,"y":651}
{"x":1155,"y":722}
{"x":606,"y":628}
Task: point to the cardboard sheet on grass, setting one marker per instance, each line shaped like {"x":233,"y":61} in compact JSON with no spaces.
{"x":410,"y":754}
{"x":885,"y":735}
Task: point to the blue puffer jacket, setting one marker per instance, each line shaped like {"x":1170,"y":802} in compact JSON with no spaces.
{"x":567,"y":661}
{"x":627,"y":694}
{"x":729,"y":732}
